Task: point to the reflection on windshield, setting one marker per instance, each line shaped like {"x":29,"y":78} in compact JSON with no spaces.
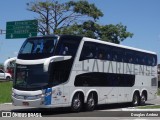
{"x":38,"y":48}
{"x":32,"y":46}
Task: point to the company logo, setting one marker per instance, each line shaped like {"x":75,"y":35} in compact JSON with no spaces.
{"x":22,"y":67}
{"x":13,"y":114}
{"x":6,"y":114}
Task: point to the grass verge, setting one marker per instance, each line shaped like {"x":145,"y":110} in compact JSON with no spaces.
{"x":5,"y":91}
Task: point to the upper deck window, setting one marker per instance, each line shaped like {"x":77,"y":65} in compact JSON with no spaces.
{"x":93,"y":50}
{"x":68,"y":45}
{"x":37,"y":48}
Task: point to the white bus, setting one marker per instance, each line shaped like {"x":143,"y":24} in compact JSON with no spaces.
{"x":62,"y":71}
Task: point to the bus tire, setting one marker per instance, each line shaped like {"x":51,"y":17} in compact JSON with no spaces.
{"x":143,"y":99}
{"x":91,"y":102}
{"x":136,"y":99}
{"x":76,"y":103}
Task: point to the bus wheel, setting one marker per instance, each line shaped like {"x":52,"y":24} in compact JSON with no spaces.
{"x":143,"y":99}
{"x":91,"y":102}
{"x":76,"y":103}
{"x":136,"y":99}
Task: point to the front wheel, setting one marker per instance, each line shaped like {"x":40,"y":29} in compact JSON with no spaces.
{"x":91,"y":102}
{"x":76,"y":103}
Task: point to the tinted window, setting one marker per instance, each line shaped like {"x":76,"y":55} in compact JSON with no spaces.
{"x":68,"y":45}
{"x":60,"y":71}
{"x":93,"y":50}
{"x":88,"y":51}
{"x":104,"y":79}
{"x":117,"y":54}
{"x":38,"y":48}
{"x":30,"y":77}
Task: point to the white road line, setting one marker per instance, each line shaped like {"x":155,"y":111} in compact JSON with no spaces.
{"x":7,"y":104}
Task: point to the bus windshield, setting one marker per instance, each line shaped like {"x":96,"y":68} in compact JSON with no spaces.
{"x":30,"y":77}
{"x":38,"y":48}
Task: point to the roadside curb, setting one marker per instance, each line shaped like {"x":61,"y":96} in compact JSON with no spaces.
{"x":6,"y":104}
{"x":137,"y":109}
{"x":126,"y":109}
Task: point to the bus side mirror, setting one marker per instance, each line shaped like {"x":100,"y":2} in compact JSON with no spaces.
{"x":6,"y":63}
{"x":54,"y":59}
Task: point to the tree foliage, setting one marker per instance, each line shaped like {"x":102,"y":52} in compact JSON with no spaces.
{"x":75,"y":18}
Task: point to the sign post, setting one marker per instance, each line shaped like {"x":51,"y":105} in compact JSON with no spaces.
{"x":21,"y":29}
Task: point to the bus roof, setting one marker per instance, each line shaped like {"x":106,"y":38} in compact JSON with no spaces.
{"x":102,"y":42}
{"x":117,"y":45}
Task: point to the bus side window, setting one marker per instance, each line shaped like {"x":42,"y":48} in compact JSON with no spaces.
{"x":108,"y":53}
{"x":108,"y":56}
{"x":101,"y":51}
{"x":117,"y":54}
{"x":88,"y":51}
{"x":154,"y":60}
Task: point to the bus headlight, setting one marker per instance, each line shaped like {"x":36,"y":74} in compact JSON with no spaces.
{"x":39,"y":96}
{"x":13,"y":94}
{"x":28,"y":97}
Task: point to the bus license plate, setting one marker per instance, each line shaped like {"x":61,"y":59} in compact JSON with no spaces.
{"x":25,"y":103}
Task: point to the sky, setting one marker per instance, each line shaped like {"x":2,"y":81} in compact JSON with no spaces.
{"x":141,"y":17}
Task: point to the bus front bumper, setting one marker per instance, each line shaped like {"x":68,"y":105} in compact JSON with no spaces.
{"x":28,"y":103}
{"x":37,"y":103}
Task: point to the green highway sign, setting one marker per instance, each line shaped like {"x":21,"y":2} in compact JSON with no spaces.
{"x":21,"y":29}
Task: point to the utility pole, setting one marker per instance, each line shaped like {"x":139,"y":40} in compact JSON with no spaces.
{"x":2,"y":31}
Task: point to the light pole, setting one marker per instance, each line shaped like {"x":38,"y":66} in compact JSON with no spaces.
{"x":2,"y":31}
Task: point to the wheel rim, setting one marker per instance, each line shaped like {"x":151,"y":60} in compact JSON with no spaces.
{"x":91,"y":102}
{"x":76,"y":103}
{"x":143,"y":99}
{"x":135,"y":100}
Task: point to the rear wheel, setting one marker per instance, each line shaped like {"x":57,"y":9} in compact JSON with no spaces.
{"x":135,"y":100}
{"x":76,"y":103}
{"x":91,"y":102}
{"x":143,"y":99}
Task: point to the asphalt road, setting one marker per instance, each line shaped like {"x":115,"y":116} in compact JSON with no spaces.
{"x":111,"y":111}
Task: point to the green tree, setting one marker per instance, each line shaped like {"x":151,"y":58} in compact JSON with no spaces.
{"x":54,"y":15}
{"x":75,"y":18}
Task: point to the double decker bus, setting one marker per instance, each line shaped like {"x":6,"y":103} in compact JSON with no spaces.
{"x":80,"y":72}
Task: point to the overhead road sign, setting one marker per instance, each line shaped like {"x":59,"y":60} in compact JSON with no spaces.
{"x":21,"y":29}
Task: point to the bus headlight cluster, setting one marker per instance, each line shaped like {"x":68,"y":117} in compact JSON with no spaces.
{"x":13,"y":94}
{"x":27,"y":97}
{"x":17,"y":96}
